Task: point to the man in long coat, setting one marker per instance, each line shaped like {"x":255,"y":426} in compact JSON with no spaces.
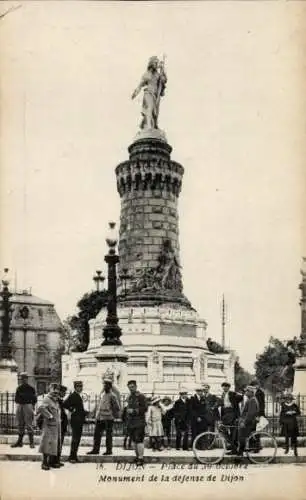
{"x":51,"y":428}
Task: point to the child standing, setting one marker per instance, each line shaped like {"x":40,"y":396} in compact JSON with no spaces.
{"x":288,"y":421}
{"x":127,"y":443}
{"x":154,"y":422}
{"x":167,"y":417}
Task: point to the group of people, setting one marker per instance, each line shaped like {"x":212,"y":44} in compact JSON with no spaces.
{"x":237,"y":412}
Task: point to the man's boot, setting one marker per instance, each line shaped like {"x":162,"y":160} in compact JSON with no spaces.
{"x":31,"y":440}
{"x":18,"y":443}
{"x":286,"y":446}
{"x":295,"y":450}
{"x":45,"y":462}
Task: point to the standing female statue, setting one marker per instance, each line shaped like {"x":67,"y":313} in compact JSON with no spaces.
{"x":153,"y":83}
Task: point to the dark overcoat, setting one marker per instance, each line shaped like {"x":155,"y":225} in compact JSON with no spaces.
{"x":288,"y":420}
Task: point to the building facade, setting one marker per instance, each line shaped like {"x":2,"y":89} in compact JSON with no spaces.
{"x":36,"y":339}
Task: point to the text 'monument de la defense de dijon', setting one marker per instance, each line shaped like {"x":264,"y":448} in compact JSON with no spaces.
{"x":163,"y":335}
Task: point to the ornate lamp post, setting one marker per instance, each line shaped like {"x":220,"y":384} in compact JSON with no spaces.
{"x":24,"y":313}
{"x":300,"y":365}
{"x":98,"y":279}
{"x":8,"y":366}
{"x":112,"y":331}
{"x":111,"y":356}
{"x":6,"y":350}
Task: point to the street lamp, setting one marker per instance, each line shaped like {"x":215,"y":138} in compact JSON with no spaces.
{"x":24,"y":313}
{"x":112,"y":331}
{"x":6,"y":349}
{"x":98,"y":279}
{"x":125,"y":276}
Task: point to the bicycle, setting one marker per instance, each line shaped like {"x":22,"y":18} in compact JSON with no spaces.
{"x":210,"y":447}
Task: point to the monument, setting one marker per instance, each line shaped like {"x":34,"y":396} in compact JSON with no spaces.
{"x":162,"y":333}
{"x":300,"y":364}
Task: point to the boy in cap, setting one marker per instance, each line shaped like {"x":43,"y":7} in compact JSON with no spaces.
{"x":25,"y":399}
{"x":289,"y":423}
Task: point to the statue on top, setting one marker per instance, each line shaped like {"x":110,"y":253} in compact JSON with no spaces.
{"x":153,"y":84}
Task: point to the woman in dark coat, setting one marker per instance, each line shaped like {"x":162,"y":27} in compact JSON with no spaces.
{"x":288,"y":421}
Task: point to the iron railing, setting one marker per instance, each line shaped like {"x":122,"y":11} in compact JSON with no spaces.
{"x":8,"y":424}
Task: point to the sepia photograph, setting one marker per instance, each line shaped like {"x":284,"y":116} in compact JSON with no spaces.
{"x":153,"y":249}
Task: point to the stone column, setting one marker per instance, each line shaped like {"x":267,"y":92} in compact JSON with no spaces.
{"x":149,"y":184}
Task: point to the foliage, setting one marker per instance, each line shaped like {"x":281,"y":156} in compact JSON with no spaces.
{"x":242,"y":376}
{"x":89,"y":306}
{"x":271,"y":366}
{"x":215,"y":347}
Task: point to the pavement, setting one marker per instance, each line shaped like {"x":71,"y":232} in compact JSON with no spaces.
{"x":120,"y":455}
{"x":26,"y":481}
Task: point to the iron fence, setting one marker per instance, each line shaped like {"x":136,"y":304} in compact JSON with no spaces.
{"x":8,"y":424}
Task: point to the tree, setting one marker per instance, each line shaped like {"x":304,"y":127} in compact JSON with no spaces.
{"x":242,"y":376}
{"x":215,"y":347}
{"x":89,"y":306}
{"x":273,"y":366}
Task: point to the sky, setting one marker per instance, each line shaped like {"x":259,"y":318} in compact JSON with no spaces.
{"x":234,"y":113}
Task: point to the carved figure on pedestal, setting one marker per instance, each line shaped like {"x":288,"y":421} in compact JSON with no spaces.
{"x":153,"y":83}
{"x":167,"y":274}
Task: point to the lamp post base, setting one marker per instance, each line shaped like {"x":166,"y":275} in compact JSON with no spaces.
{"x":8,"y":375}
{"x":300,"y":376}
{"x":113,"y":360}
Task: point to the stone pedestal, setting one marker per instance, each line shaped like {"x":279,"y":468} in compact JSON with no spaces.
{"x":113,"y":359}
{"x":8,"y":375}
{"x":300,"y":376}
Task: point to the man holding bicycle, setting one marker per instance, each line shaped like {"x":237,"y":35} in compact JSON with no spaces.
{"x":248,"y":418}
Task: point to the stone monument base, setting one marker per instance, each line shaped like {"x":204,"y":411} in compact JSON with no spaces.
{"x":8,"y":375}
{"x":166,"y":348}
{"x":299,"y":386}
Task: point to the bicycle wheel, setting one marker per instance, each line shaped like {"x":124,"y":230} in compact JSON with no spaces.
{"x":209,"y":448}
{"x":261,"y":447}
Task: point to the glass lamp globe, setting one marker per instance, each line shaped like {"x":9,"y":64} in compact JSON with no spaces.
{"x":6,"y":277}
{"x":112,"y":237}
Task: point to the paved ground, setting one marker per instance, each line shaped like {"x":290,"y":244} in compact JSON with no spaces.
{"x":25,"y":481}
{"x":166,"y":456}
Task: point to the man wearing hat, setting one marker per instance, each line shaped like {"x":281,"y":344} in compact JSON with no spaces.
{"x":181,"y":419}
{"x":25,"y":399}
{"x":211,"y":410}
{"x":74,"y":403}
{"x":230,"y":413}
{"x":289,"y":423}
{"x":198,"y":413}
{"x":247,"y":420}
{"x":108,"y":410}
{"x":136,"y":410}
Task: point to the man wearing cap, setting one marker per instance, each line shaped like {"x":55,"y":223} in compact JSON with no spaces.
{"x":181,"y":419}
{"x":25,"y":399}
{"x":260,"y":396}
{"x":136,"y":410}
{"x":74,"y":403}
{"x":230,"y":413}
{"x":211,"y":410}
{"x":247,"y":420}
{"x":198,"y":413}
{"x":107,"y":411}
